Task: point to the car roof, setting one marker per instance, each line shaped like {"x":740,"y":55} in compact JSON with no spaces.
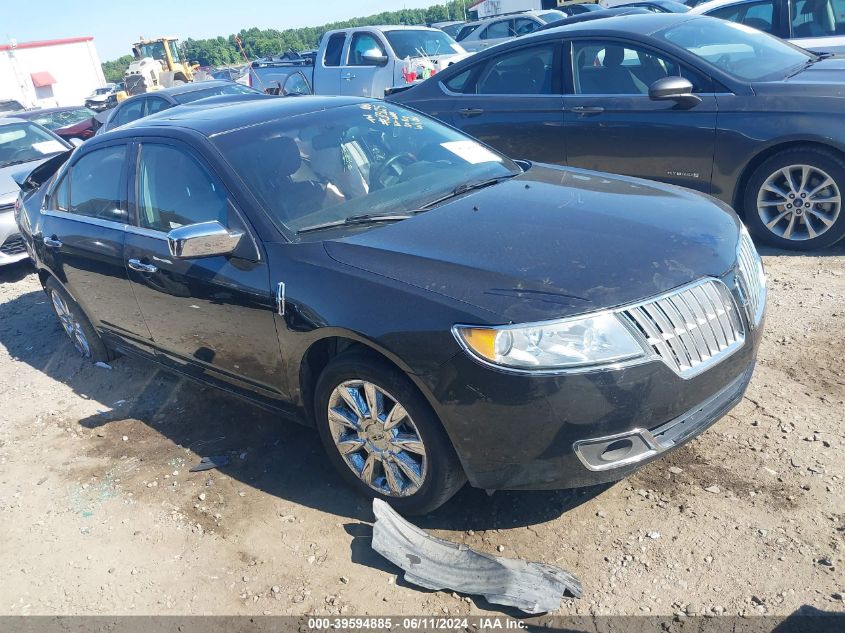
{"x":221,"y":117}
{"x":13,"y":119}
{"x":636,"y":23}
{"x":29,"y":114}
{"x":186,"y":88}
{"x":704,"y":7}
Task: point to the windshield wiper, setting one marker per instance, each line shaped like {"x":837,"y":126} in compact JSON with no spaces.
{"x":364,"y":218}
{"x":818,"y":57}
{"x":464,"y":188}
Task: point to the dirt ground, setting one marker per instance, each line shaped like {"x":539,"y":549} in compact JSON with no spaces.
{"x":100,"y":515}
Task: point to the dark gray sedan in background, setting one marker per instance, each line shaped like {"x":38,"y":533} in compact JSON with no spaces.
{"x":690,"y":100}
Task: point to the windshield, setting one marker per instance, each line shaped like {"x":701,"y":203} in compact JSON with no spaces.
{"x":154,"y":50}
{"x":25,"y":141}
{"x":229,"y":89}
{"x":367,"y":158}
{"x":64,"y":118}
{"x":422,"y":43}
{"x":737,"y":49}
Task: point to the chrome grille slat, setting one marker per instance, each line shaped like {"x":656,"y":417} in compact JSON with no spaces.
{"x":692,"y":328}
{"x":751,"y":280}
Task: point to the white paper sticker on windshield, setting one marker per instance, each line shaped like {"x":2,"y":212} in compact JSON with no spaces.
{"x":48,"y":147}
{"x":471,"y":152}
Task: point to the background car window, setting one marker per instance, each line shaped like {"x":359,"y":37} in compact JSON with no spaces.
{"x":166,"y":202}
{"x":499,"y":29}
{"x":523,"y":26}
{"x":334,"y":49}
{"x":25,"y":141}
{"x":758,"y":15}
{"x":612,"y":68}
{"x":130,"y":111}
{"x":459,"y":82}
{"x":58,"y":201}
{"x":296,"y":84}
{"x":525,"y":72}
{"x":154,"y":104}
{"x":228,"y":89}
{"x":817,"y":18}
{"x":465,"y":32}
{"x":362,"y":43}
{"x":96,"y":184}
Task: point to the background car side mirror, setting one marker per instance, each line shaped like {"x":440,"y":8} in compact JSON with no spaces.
{"x":673,"y":89}
{"x":374,"y":56}
{"x":204,"y":239}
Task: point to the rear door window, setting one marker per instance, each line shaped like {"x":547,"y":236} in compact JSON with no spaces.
{"x":498,"y":30}
{"x":758,"y":15}
{"x":131,"y":111}
{"x":156,"y":104}
{"x":334,"y":49}
{"x":96,"y":184}
{"x":523,"y":72}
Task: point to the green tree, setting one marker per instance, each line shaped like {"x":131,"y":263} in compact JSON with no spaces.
{"x":218,"y":51}
{"x":114,"y":70}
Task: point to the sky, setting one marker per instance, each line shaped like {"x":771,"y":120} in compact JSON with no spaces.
{"x":115,"y":24}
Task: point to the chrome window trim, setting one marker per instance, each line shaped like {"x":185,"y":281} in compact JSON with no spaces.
{"x":68,"y":215}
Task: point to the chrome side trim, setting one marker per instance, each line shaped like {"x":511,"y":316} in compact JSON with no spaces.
{"x":64,"y":215}
{"x":280,"y":298}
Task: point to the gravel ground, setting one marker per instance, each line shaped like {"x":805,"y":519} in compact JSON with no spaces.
{"x":101,"y":516}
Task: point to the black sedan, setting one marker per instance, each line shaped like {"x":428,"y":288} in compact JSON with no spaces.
{"x":149,"y":103}
{"x":689,"y":100}
{"x":438,"y":311}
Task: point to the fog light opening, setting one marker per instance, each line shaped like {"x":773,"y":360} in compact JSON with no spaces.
{"x":618,"y":450}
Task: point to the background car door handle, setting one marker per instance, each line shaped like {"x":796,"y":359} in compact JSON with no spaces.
{"x":137,"y":264}
{"x":468,"y":112}
{"x":349,"y":76}
{"x":52,"y":242}
{"x":587,"y":109}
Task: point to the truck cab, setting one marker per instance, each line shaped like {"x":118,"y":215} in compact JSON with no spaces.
{"x":365,"y":61}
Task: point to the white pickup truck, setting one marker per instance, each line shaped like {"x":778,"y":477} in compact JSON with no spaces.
{"x":364,"y":61}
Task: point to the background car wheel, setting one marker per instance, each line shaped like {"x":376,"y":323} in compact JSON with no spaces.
{"x":794,"y":199}
{"x":77,"y":326}
{"x":382,"y":436}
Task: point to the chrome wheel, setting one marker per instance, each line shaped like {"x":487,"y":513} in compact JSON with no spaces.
{"x":799,"y":202}
{"x":71,"y":325}
{"x":377,"y":438}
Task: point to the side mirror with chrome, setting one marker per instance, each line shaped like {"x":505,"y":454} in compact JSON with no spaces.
{"x":205,"y":239}
{"x":677,"y":89}
{"x":374,"y":57}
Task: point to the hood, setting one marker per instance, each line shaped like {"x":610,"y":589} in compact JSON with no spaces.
{"x":551,"y":243}
{"x":98,"y":98}
{"x":825,"y":78}
{"x":9,"y":188}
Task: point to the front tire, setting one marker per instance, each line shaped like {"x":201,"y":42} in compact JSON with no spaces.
{"x":794,"y":199}
{"x":383,"y":437}
{"x":76,"y":325}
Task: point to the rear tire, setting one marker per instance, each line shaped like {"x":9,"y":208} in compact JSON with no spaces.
{"x":76,"y":325}
{"x":794,"y":199}
{"x":400,"y":455}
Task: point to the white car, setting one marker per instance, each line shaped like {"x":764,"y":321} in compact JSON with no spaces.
{"x":103,"y":98}
{"x":23,"y":146}
{"x":481,"y":34}
{"x":817,"y":25}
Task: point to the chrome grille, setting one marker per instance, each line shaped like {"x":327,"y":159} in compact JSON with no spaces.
{"x":751,"y":280}
{"x":692,"y":328}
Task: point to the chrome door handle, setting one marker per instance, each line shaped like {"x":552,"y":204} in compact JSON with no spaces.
{"x":137,"y":264}
{"x":468,"y":112}
{"x":349,"y":77}
{"x":588,"y":109}
{"x":52,"y":242}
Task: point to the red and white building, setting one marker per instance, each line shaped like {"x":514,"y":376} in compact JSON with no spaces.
{"x":50,"y":73}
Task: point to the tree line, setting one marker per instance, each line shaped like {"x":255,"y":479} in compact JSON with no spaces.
{"x":219,"y":51}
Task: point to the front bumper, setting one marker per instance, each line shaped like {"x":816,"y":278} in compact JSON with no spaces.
{"x":12,"y":248}
{"x":517,"y":431}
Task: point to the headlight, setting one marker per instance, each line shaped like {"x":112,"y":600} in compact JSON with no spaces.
{"x":601,"y":339}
